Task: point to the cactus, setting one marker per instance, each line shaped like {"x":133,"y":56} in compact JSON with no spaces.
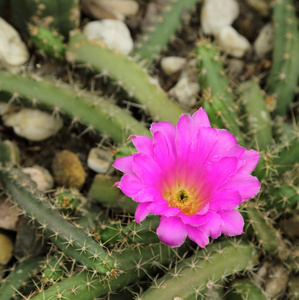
{"x":259,"y":120}
{"x":54,"y":268}
{"x":127,"y":74}
{"x":267,"y":237}
{"x":133,"y":265}
{"x":65,"y":235}
{"x":102,"y":191}
{"x":242,"y":289}
{"x":153,"y":42}
{"x":17,"y":276}
{"x":183,"y":281}
{"x":218,"y":99}
{"x":114,"y":233}
{"x":284,"y":73}
{"x":48,"y":43}
{"x":61,"y":16}
{"x":96,"y":113}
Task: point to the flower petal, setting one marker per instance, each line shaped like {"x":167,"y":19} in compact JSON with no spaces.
{"x":143,"y":144}
{"x":201,"y":118}
{"x":251,"y":158}
{"x":148,"y":194}
{"x":197,"y":236}
{"x":218,"y":173}
{"x":248,"y":186}
{"x":166,"y":128}
{"x":165,"y":157}
{"x":124,"y":164}
{"x":147,"y":169}
{"x":141,"y":212}
{"x":130,"y":185}
{"x":213,"y":225}
{"x":172,"y":231}
{"x":224,"y":199}
{"x":232,"y":222}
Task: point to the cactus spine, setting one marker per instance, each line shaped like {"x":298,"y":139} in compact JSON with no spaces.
{"x":153,"y":42}
{"x":284,"y":74}
{"x":95,"y":112}
{"x":127,"y":73}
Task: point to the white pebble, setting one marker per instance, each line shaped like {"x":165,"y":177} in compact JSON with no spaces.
{"x":232,"y":42}
{"x":99,"y":160}
{"x":114,"y":33}
{"x":41,"y":176}
{"x":172,"y":64}
{"x":264,"y":42}
{"x":216,"y":14}
{"x":33,"y":124}
{"x":185,"y":91}
{"x":124,"y":7}
{"x":13,"y":52}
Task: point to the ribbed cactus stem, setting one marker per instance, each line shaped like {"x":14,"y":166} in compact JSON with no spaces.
{"x":194,"y":274}
{"x":72,"y":240}
{"x":127,"y":73}
{"x":95,"y":112}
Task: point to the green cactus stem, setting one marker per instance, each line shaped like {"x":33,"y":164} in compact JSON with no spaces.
{"x":243,"y":289}
{"x":259,"y":121}
{"x":102,"y":191}
{"x":267,"y":236}
{"x":18,"y":276}
{"x":134,"y":263}
{"x":284,"y":73}
{"x":97,"y":113}
{"x":218,"y":99}
{"x":48,"y":43}
{"x":151,"y":44}
{"x":281,"y":158}
{"x":193,"y":275}
{"x":55,"y":267}
{"x":127,"y":73}
{"x":61,"y":16}
{"x":66,"y":236}
{"x":113,"y":233}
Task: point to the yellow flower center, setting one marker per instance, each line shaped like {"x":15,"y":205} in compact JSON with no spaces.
{"x":184,"y":199}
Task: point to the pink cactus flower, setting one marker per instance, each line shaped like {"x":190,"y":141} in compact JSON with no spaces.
{"x":193,"y":175}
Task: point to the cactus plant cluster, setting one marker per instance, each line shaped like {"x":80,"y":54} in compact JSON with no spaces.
{"x":94,"y":249}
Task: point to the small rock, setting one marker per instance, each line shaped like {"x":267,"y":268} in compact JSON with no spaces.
{"x":13,"y":52}
{"x":33,"y":124}
{"x":6,"y":249}
{"x":124,"y":7}
{"x":41,"y":177}
{"x":185,"y":91}
{"x":264,"y":42}
{"x":172,"y":64}
{"x":235,"y":66}
{"x":110,"y":9}
{"x":114,"y":33}
{"x":273,"y":277}
{"x":261,"y":6}
{"x":68,"y":170}
{"x":99,"y":160}
{"x":216,"y":14}
{"x":9,"y":215}
{"x":232,"y":42}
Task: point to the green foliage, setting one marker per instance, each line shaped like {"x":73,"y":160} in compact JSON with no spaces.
{"x":218,"y":99}
{"x":47,"y":42}
{"x":61,"y":16}
{"x":95,"y":112}
{"x":284,"y":73}
{"x":18,"y":275}
{"x":156,"y":39}
{"x":128,"y":75}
